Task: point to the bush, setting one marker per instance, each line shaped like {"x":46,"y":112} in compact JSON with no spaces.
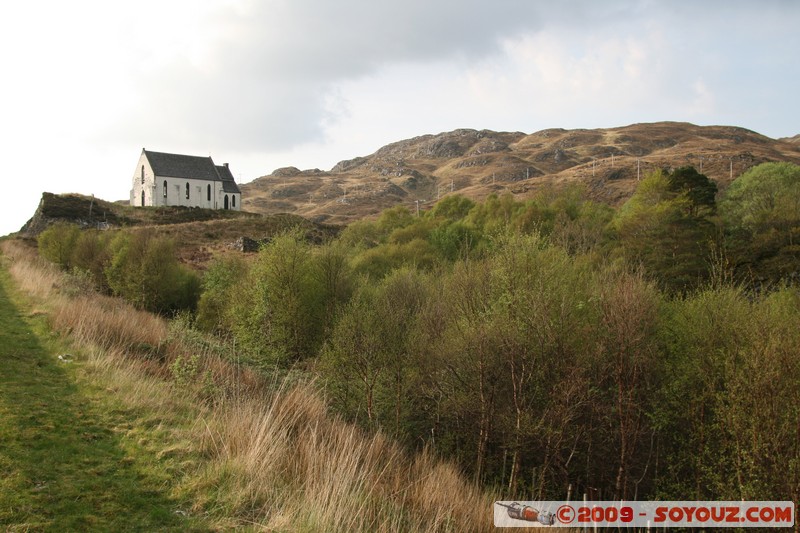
{"x":277,"y":312}
{"x":761,"y":211}
{"x":219,"y":283}
{"x":57,"y":243}
{"x":145,"y":271}
{"x":91,"y":255}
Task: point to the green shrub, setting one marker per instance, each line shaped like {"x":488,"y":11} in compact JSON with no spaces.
{"x":57,"y":243}
{"x":145,"y":271}
{"x":277,"y":310}
{"x":219,"y":283}
{"x":91,"y":254}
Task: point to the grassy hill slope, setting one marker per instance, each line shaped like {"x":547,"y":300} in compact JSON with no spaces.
{"x":477,"y":163}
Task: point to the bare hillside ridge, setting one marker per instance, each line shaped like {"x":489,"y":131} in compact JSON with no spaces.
{"x":477,"y":163}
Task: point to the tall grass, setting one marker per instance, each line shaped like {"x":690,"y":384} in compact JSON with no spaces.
{"x":258,"y":453}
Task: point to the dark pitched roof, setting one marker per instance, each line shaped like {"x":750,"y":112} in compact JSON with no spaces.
{"x":190,"y":166}
{"x":182,"y":166}
{"x":228,"y":183}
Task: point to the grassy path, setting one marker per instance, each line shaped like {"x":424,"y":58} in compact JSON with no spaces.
{"x":64,"y":462}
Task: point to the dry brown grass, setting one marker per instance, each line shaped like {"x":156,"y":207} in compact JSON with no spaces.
{"x":108,"y":323}
{"x":32,"y":274}
{"x":260,"y":454}
{"x":294,"y":466}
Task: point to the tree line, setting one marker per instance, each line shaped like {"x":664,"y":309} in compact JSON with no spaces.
{"x":650,"y":351}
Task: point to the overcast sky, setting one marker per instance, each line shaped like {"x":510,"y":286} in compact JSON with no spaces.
{"x":87,"y":84}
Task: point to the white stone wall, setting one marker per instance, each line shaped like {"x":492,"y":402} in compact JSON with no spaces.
{"x":176,"y":192}
{"x":198,"y":193}
{"x":234,"y":200}
{"x":153,"y":188}
{"x":138,"y":186}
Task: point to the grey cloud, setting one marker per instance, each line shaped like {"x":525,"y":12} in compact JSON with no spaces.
{"x":272,"y":66}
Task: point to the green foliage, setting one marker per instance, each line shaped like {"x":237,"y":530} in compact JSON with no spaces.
{"x":761,"y":212}
{"x":334,"y":278}
{"x":765,"y":196}
{"x":700,"y":190}
{"x":394,"y":218}
{"x":727,"y":415}
{"x":140,"y":267}
{"x":57,"y":243}
{"x":663,"y":231}
{"x":91,"y":254}
{"x":278,"y":308}
{"x":361,"y":234}
{"x":185,"y":370}
{"x":495,"y":214}
{"x":540,"y":343}
{"x":219,"y":289}
{"x":368,"y":351}
{"x":455,"y":240}
{"x":145,"y":271}
{"x":379,"y":261}
{"x":452,"y":208}
{"x":420,"y":228}
{"x":365,"y":234}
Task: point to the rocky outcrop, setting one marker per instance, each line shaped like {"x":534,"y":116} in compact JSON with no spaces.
{"x":285,"y":172}
{"x":86,"y":212}
{"x":247,"y":245}
{"x":348,"y":164}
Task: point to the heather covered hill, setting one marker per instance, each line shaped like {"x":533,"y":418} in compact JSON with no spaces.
{"x":476,"y":163}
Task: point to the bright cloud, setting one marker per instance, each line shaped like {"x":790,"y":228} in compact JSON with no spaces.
{"x":263,"y":84}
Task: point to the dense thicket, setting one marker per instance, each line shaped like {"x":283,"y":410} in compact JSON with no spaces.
{"x":141,"y":267}
{"x":651,"y":351}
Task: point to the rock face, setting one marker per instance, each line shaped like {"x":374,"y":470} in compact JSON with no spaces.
{"x":86,"y":212}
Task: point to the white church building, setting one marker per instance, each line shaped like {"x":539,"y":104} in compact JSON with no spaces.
{"x":192,"y":181}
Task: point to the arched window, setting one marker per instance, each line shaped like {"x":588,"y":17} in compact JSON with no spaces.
{"x":225,"y":203}
{"x":165,"y":188}
{"x":187,"y":190}
{"x":208,"y":191}
{"x":233,"y":200}
{"x":142,"y":173}
{"x":142,"y":198}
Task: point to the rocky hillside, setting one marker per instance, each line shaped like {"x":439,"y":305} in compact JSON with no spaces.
{"x":477,"y":163}
{"x":199,"y":234}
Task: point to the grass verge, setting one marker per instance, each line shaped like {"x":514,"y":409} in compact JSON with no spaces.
{"x":67,"y":459}
{"x":212,"y":444}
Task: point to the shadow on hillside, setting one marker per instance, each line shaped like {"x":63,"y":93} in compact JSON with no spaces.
{"x":63,"y":466}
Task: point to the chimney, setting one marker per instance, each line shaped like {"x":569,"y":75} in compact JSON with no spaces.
{"x":225,"y":165}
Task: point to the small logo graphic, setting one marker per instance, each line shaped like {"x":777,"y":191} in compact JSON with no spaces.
{"x":644,"y":514}
{"x":527,"y":513}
